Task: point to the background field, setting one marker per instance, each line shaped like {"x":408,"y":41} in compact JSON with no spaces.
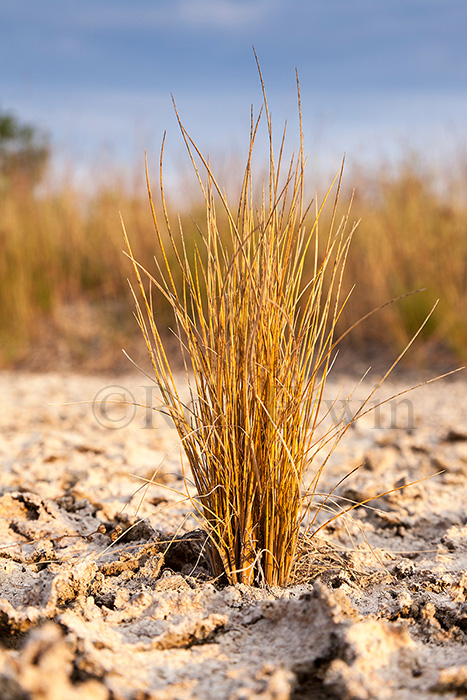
{"x":65,"y":301}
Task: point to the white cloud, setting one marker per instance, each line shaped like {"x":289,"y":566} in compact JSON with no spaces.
{"x":228,"y":14}
{"x":171,"y":14}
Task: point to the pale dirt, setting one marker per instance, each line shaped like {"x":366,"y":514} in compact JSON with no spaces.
{"x":81,"y":617}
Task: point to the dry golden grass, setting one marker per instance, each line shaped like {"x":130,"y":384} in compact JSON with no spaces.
{"x":256,"y":302}
{"x":257,"y":342}
{"x":412,"y":235}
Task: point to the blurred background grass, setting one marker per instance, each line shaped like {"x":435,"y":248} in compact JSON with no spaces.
{"x":65,"y":301}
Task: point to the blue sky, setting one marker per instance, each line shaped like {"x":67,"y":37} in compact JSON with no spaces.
{"x":376,"y":75}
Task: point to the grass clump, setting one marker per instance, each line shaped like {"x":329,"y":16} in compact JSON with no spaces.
{"x":257,"y":340}
{"x":257,"y":301}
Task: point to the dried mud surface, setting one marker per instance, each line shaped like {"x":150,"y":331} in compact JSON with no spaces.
{"x":83,"y":616}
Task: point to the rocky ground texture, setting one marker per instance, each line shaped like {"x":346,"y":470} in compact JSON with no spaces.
{"x":104,"y":588}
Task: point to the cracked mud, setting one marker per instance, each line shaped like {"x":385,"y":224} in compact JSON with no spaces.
{"x":105,"y":590}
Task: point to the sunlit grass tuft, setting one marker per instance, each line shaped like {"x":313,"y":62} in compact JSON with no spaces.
{"x":257,"y":338}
